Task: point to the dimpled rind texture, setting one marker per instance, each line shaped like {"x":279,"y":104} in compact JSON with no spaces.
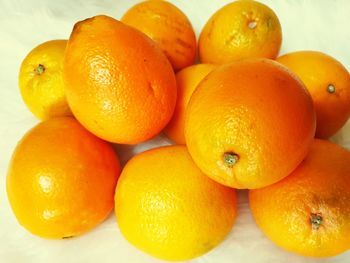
{"x":120,"y":85}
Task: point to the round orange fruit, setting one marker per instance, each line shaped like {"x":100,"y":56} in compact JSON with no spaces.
{"x":328,"y":82}
{"x":249,"y":124}
{"x":168,"y":26}
{"x":61,"y":179}
{"x":241,"y":29}
{"x":168,"y":208}
{"x":308,"y":212}
{"x":187,"y":80}
{"x":41,"y":82}
{"x":120,"y":85}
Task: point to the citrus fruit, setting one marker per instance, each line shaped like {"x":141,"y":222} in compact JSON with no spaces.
{"x":241,"y":29}
{"x":41,"y":82}
{"x":187,"y":80}
{"x":249,"y":124}
{"x":308,"y":212}
{"x":328,"y":82}
{"x":61,"y":179}
{"x":120,"y":85}
{"x":168,"y":26}
{"x":168,"y":208}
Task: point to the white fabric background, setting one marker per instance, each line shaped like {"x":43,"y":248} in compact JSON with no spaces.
{"x":310,"y":24}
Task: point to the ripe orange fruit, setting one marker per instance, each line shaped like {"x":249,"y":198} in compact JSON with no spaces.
{"x":168,"y":26}
{"x":187,"y":80}
{"x":308,"y":212}
{"x":242,"y":29}
{"x":328,"y":82}
{"x":120,"y":85}
{"x":61,"y":179}
{"x":249,"y":124}
{"x":168,"y":208}
{"x":41,"y":82}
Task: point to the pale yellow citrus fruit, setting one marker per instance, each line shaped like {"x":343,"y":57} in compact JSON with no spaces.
{"x":168,"y":208}
{"x":41,"y":83}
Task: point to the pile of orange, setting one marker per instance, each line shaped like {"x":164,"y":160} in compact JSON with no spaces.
{"x":242,"y":118}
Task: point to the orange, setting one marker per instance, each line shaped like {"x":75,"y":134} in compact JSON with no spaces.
{"x":308,"y":212}
{"x":120,"y":85}
{"x":187,"y":80}
{"x":41,"y":83}
{"x":241,"y":29}
{"x":168,"y":26}
{"x":168,"y":208}
{"x":249,"y":124}
{"x":61,"y":179}
{"x":328,"y":82}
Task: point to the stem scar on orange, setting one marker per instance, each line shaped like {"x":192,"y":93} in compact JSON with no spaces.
{"x":308,"y":212}
{"x":41,"y":81}
{"x":249,"y":123}
{"x":328,"y":82}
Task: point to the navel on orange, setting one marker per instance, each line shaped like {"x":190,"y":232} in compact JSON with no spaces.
{"x":241,"y":29}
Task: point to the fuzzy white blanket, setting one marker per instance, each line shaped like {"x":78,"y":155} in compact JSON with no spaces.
{"x":307,"y":24}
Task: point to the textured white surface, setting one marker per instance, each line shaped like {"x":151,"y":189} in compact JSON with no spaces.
{"x":310,"y":24}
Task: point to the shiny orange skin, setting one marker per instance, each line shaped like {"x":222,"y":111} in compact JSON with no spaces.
{"x":187,"y":80}
{"x":168,"y":26}
{"x":120,"y":85}
{"x":168,"y":208}
{"x":255,"y":110}
{"x":319,"y":186}
{"x":241,"y":29}
{"x":61,"y":179}
{"x":318,"y":70}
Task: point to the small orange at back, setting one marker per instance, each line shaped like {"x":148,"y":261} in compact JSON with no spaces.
{"x":168,"y":26}
{"x":249,"y":123}
{"x":187,"y":80}
{"x":119,"y":84}
{"x":241,"y":29}
{"x":328,"y":82}
{"x":61,"y":179}
{"x":308,"y":212}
